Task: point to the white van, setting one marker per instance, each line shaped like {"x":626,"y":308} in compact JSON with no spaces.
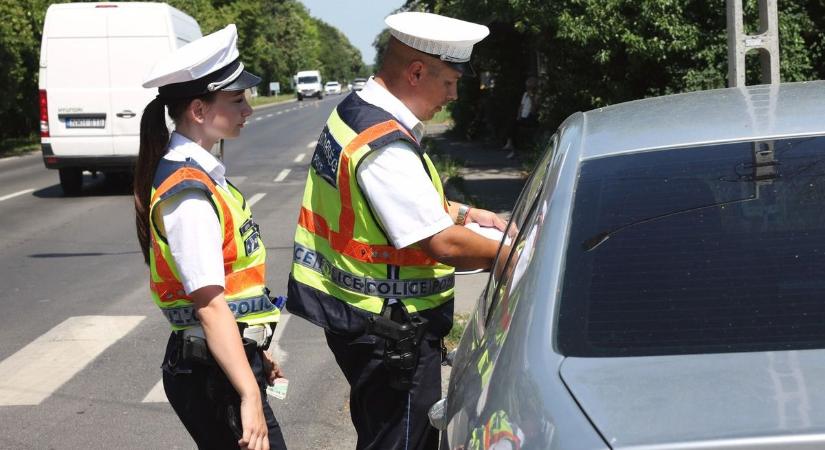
{"x":308,"y":84}
{"x":93,"y":59}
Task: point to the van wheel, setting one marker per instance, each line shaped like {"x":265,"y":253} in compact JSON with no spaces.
{"x":300,"y":99}
{"x":71,"y":180}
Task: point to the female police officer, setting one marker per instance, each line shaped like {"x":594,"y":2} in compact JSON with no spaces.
{"x":204,"y":250}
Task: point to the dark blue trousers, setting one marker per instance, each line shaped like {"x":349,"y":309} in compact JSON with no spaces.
{"x":190,"y":388}
{"x":387,"y":418}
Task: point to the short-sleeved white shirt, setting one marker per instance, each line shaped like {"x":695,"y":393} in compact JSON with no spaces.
{"x":395,"y":182}
{"x":189,"y":222}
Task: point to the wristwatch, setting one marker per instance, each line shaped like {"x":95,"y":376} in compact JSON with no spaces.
{"x":461,"y":217}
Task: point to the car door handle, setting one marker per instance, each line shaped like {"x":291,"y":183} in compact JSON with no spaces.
{"x":126,"y":114}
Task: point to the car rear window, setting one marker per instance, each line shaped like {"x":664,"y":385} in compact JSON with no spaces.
{"x":703,"y":250}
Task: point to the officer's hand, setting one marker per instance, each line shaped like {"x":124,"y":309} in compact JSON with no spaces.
{"x":255,"y":432}
{"x":271,"y":368}
{"x":485,"y":218}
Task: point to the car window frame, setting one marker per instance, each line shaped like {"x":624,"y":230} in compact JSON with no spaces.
{"x":489,"y":298}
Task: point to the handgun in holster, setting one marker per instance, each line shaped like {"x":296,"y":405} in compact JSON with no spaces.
{"x":401,"y":344}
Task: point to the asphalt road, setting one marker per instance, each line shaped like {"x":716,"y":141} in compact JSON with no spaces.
{"x":81,"y":341}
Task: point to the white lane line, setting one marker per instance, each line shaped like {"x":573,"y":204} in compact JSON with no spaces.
{"x":312,"y":144}
{"x":37,"y":370}
{"x":18,"y":193}
{"x":257,"y":119}
{"x":281,"y":175}
{"x":254,"y":199}
{"x":299,"y":158}
{"x":156,"y":395}
{"x":269,"y":115}
{"x":279,"y":113}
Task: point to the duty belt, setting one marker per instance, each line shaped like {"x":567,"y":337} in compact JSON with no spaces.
{"x":367,"y":285}
{"x":184,"y":316}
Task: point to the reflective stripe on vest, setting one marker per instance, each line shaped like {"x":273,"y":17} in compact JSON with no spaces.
{"x":342,"y":240}
{"x":371,"y":286}
{"x":340,"y":249}
{"x":243,"y":252}
{"x":184,"y":316}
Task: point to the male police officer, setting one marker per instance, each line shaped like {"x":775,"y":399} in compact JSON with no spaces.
{"x":377,"y":241}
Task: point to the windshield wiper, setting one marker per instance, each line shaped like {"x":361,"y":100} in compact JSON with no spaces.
{"x":599,"y":238}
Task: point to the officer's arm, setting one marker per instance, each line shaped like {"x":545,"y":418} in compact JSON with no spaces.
{"x":459,"y":247}
{"x":224,"y":339}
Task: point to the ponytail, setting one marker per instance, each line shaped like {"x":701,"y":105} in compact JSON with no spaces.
{"x":154,"y":137}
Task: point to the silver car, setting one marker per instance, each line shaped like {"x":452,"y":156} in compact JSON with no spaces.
{"x":664,"y":286}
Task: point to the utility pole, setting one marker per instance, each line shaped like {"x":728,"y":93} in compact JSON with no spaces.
{"x":766,"y":42}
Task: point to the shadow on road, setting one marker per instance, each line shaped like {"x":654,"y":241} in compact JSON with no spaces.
{"x":100,"y":185}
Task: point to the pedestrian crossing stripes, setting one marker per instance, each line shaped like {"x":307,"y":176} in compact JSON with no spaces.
{"x":31,"y":374}
{"x":36,"y":371}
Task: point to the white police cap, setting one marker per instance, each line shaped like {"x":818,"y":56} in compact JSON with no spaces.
{"x":448,"y":39}
{"x":208,"y":64}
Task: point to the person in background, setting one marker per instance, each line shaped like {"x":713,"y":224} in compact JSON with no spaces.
{"x":377,"y":241}
{"x":204,"y":250}
{"x":526,"y":118}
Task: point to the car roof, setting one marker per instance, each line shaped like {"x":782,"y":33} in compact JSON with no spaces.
{"x":705,"y":117}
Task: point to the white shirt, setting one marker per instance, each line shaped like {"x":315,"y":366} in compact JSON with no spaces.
{"x":394,"y":181}
{"x":189,"y":222}
{"x":526,"y":106}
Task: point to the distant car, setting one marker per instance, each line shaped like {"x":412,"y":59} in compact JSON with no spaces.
{"x":358,"y":83}
{"x":663,"y":287}
{"x":332,"y":87}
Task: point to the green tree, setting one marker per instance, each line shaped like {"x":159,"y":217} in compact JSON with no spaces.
{"x":592,"y":53}
{"x":340,"y":60}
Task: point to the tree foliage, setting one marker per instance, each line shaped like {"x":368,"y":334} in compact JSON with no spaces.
{"x":276,"y":39}
{"x":592,"y":53}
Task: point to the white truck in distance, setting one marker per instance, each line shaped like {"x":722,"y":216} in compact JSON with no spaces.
{"x":93,"y":59}
{"x":308,"y":84}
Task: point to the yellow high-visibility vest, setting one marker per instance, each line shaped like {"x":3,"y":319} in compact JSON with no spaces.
{"x":341,"y":253}
{"x":244,"y":254}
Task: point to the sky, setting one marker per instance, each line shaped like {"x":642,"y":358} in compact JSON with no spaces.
{"x":359,"y":20}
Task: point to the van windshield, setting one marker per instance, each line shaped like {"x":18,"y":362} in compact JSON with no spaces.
{"x":705,"y":250}
{"x":307,"y":80}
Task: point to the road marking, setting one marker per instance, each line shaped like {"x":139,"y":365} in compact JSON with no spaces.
{"x":312,"y":144}
{"x":299,"y":158}
{"x":281,"y":175}
{"x":156,"y":395}
{"x":254,"y":199}
{"x":16,"y":194}
{"x":37,"y":370}
{"x":257,"y":119}
{"x":269,"y":115}
{"x":279,"y":113}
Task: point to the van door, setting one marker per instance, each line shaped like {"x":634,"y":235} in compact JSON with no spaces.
{"x":138,"y":37}
{"x":77,"y":82}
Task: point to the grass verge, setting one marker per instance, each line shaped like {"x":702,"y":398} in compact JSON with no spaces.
{"x":19,"y":146}
{"x":261,"y":101}
{"x":452,"y":338}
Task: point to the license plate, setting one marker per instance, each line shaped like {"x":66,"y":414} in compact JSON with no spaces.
{"x":85,"y":122}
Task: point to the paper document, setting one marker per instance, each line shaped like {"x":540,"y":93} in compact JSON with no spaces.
{"x":488,"y":232}
{"x":278,"y":389}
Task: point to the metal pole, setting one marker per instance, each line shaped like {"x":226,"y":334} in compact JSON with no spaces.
{"x":766,"y":42}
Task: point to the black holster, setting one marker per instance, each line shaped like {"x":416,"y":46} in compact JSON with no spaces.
{"x":218,"y":387}
{"x":402,"y":335}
